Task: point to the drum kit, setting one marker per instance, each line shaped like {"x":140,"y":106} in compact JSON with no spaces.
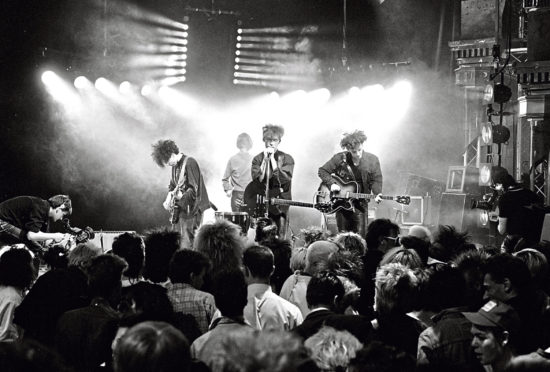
{"x":241,"y":219}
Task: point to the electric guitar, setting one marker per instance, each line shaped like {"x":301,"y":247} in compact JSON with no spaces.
{"x":344,"y":198}
{"x":174,"y":207}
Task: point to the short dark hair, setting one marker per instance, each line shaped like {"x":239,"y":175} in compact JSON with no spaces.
{"x":230,"y":292}
{"x":184,"y":262}
{"x":322,"y":288}
{"x":150,"y":347}
{"x":16,"y":269}
{"x":445,"y":288}
{"x":244,"y":141}
{"x":504,"y":265}
{"x":420,"y":246}
{"x":222,"y":243}
{"x":160,"y":245}
{"x":349,"y":139}
{"x":259,"y":260}
{"x":380,"y":227}
{"x":105,"y":274}
{"x":129,"y":246}
{"x":272,"y":130}
{"x":163,"y":150}
{"x":62,"y":201}
{"x":148,"y":299}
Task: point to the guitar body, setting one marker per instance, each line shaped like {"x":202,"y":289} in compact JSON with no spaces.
{"x":337,"y":201}
{"x":255,"y":202}
{"x":175,"y":208}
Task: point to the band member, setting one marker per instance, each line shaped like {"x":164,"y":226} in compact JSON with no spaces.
{"x":353,"y":164}
{"x":237,"y":172}
{"x":26,"y":219}
{"x":187,"y":197}
{"x":279,"y":166}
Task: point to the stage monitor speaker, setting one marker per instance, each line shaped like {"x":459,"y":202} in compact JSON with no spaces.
{"x":104,"y":239}
{"x":455,"y":210}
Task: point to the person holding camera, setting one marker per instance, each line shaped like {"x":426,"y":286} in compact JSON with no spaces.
{"x":26,"y":219}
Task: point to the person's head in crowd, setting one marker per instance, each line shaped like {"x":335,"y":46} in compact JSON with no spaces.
{"x":379,"y":357}
{"x":190,"y":267}
{"x":421,"y":232}
{"x":298,"y":259}
{"x":445,"y":288}
{"x":312,"y":234}
{"x":266,"y":230}
{"x":471,"y":265}
{"x":506,"y":277}
{"x":163,"y":151}
{"x":152,"y":347}
{"x":16,"y":268}
{"x":395,"y":288}
{"x":347,"y":264}
{"x":83,"y":254}
{"x":258,"y":264}
{"x":130,"y":246}
{"x":495,"y":329}
{"x":351,"y":241}
{"x":332,"y":349}
{"x":160,"y":246}
{"x":537,"y":264}
{"x":244,"y":142}
{"x":230,"y":292}
{"x":274,"y":351}
{"x":146,"y":298}
{"x":404,"y":256}
{"x":317,"y":256}
{"x":420,"y":246}
{"x":29,"y":355}
{"x":56,"y":258}
{"x":382,"y":235}
{"x":514,"y":243}
{"x":282,"y":250}
{"x":490,"y":249}
{"x":324,"y":289}
{"x":448,"y":243}
{"x":221,"y":243}
{"x":105,"y":277}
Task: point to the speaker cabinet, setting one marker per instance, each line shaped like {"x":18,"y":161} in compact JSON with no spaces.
{"x":455,"y":210}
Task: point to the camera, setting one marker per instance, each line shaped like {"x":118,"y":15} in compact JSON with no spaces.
{"x":487,"y":203}
{"x":81,"y":235}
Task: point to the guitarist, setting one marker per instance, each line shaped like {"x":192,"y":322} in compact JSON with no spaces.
{"x":187,"y":197}
{"x":279,"y":166}
{"x":353,"y":164}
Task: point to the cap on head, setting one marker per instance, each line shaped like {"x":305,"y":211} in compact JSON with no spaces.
{"x":498,"y":315}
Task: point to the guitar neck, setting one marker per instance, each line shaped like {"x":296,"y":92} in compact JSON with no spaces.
{"x":358,"y":195}
{"x":291,"y":202}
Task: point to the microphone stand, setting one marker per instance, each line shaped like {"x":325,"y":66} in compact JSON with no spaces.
{"x":267,"y":176}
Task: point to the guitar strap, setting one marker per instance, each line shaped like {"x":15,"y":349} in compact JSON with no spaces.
{"x":181,"y":178}
{"x":347,"y":166}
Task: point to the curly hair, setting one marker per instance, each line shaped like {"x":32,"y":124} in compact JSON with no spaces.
{"x":272,"y":130}
{"x":395,"y":289}
{"x":130,"y":247}
{"x":352,"y":242}
{"x":162,"y":150}
{"x":82,"y":255}
{"x":332,"y":349}
{"x":312,"y":234}
{"x":405,"y":256}
{"x":222,"y":243}
{"x":349,"y":139}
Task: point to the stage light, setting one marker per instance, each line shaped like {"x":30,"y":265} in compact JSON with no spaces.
{"x":101,"y":83}
{"x":487,"y":133}
{"x":502,"y":93}
{"x":146,"y":90}
{"x":483,"y":217}
{"x":125,"y":87}
{"x":501,"y":134}
{"x":81,"y":82}
{"x":49,"y":77}
{"x":485,"y":174}
{"x":319,"y":96}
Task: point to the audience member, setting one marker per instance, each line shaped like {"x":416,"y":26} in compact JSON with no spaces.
{"x":379,"y":357}
{"x":311,"y":234}
{"x":281,"y":249}
{"x":537,"y":361}
{"x":421,"y":232}
{"x":130,"y":246}
{"x":421,"y":247}
{"x":404,"y":256}
{"x":471,"y":264}
{"x":265,"y":309}
{"x":229,"y":289}
{"x":81,"y":256}
{"x":495,"y":331}
{"x":16,"y":276}
{"x":449,"y":243}
{"x":332,"y":350}
{"x":29,"y":355}
{"x":152,"y":347}
{"x":298,"y":259}
{"x":160,"y":246}
{"x":186,"y":273}
{"x":295,"y":287}
{"x":352,"y":242}
{"x":56,"y":258}
{"x":84,"y":336}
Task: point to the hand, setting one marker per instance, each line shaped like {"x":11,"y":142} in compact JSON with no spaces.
{"x":228,"y":193}
{"x":378,"y":198}
{"x":269,"y":151}
{"x":58,"y":237}
{"x":334,"y":188}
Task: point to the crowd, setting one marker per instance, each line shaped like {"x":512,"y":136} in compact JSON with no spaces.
{"x":424,"y":301}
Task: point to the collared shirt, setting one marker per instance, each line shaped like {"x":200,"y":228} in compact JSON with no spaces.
{"x":208,"y":347}
{"x":266,"y":310}
{"x":294,"y":290}
{"x":188,"y":300}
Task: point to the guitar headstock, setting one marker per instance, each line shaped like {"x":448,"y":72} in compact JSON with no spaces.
{"x":403,"y":199}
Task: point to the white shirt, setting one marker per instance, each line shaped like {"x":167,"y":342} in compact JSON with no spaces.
{"x":266,"y":310}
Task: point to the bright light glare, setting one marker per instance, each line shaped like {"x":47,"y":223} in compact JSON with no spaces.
{"x":49,"y":77}
{"x":146,"y":90}
{"x":125,"y":87}
{"x":60,"y":90}
{"x":319,"y":96}
{"x":178,"y":101}
{"x":81,"y":82}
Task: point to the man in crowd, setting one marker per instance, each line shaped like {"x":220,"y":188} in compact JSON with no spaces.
{"x":26,"y":219}
{"x":187,"y":197}
{"x":353,"y":164}
{"x":237,"y":172}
